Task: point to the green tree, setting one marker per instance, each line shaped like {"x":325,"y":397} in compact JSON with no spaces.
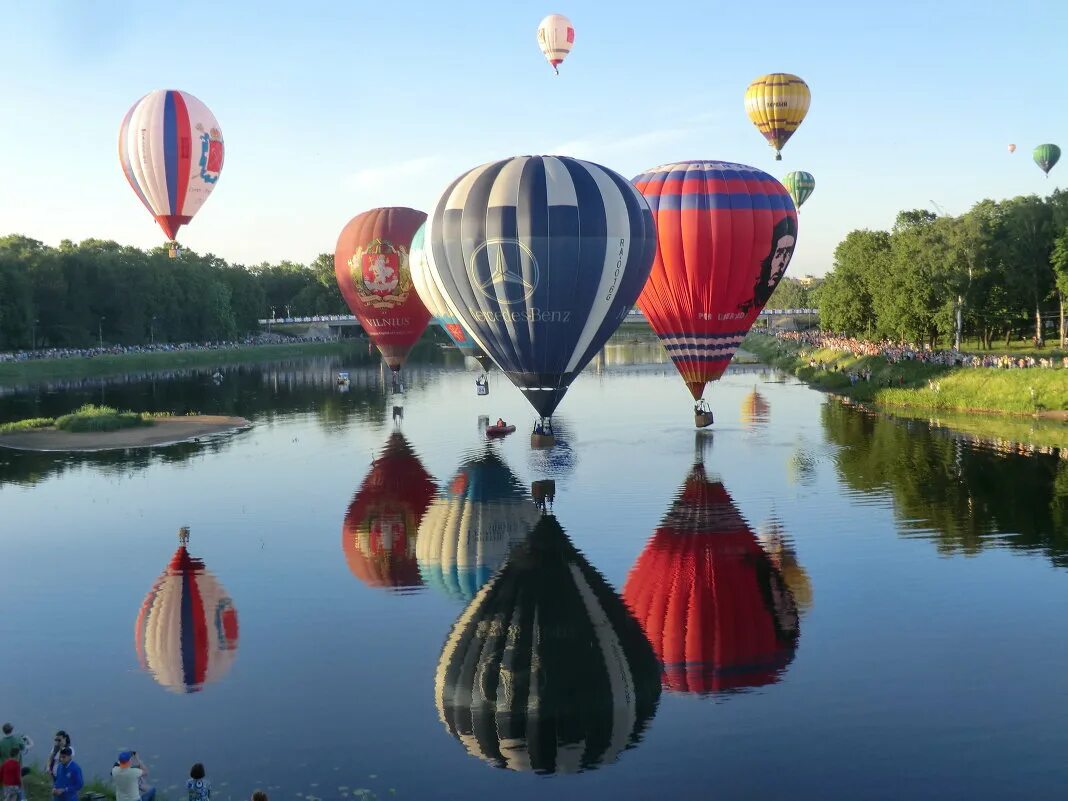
{"x":846,"y":294}
{"x":1026,"y":244}
{"x":1059,"y":261}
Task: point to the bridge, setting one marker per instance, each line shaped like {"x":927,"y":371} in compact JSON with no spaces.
{"x":339,"y":321}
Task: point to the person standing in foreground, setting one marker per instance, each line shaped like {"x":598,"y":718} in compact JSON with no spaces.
{"x":127,"y":778}
{"x":59,"y":742}
{"x":68,"y":781}
{"x":198,"y":787}
{"x":13,"y":745}
{"x":11,"y":777}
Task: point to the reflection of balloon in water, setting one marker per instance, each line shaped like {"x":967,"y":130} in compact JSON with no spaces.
{"x":800,"y":185}
{"x":546,"y":670}
{"x":186,"y":633}
{"x":1046,"y":157}
{"x":371,"y":266}
{"x":755,"y":410}
{"x":556,"y":37}
{"x":780,"y":548}
{"x":776,"y":105}
{"x":726,"y":235}
{"x":1012,"y":148}
{"x":379,"y":532}
{"x":541,"y":257}
{"x":171,"y":151}
{"x":717,"y":612}
{"x":468,"y":531}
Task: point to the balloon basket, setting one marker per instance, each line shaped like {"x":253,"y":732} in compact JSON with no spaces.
{"x":702,"y":419}
{"x":542,"y":441}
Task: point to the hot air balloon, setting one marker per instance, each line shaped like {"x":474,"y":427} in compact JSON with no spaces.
{"x":1046,"y":157}
{"x":171,"y":151}
{"x":428,"y":292}
{"x":799,"y":185}
{"x":186,"y":633}
{"x":776,"y":105}
{"x":541,"y":257}
{"x":556,"y":37}
{"x":470,"y":529}
{"x":546,"y":670}
{"x":726,"y":235}
{"x":1012,"y":148}
{"x":371,"y":265}
{"x":718,"y":613}
{"x":755,"y":410}
{"x":378,"y":536}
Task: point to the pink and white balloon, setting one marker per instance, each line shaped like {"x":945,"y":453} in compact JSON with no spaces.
{"x":556,"y":37}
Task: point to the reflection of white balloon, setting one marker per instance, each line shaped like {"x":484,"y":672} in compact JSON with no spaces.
{"x":187,"y":630}
{"x":467,"y":533}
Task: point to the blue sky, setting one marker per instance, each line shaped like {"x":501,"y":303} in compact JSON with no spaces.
{"x":331,"y":108}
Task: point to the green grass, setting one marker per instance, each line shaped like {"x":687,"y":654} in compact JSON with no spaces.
{"x":995,"y":427}
{"x":101,"y":418}
{"x":38,"y":785}
{"x":919,"y":385}
{"x":27,"y":425}
{"x":47,"y":369}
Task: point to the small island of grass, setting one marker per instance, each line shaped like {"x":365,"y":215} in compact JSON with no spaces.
{"x":98,"y":428}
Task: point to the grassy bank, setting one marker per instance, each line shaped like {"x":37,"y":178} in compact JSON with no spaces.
{"x":38,"y":786}
{"x":918,"y":385}
{"x":87,"y":418}
{"x":98,"y":366}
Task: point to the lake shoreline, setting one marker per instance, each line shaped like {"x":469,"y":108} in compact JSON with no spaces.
{"x":163,"y":432}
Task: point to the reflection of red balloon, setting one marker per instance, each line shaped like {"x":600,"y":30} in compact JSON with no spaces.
{"x":371,"y":266}
{"x":187,"y":631}
{"x":725,"y":236}
{"x":710,"y":600}
{"x":378,"y":535}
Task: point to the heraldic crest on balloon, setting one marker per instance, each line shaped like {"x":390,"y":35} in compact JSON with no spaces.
{"x":380,"y":274}
{"x":211,"y":153}
{"x":187,"y":631}
{"x":546,"y":670}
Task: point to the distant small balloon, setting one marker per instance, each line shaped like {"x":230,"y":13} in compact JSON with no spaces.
{"x":800,"y":185}
{"x":556,"y":37}
{"x":1012,"y":148}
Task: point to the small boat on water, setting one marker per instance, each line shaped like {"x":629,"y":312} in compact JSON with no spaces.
{"x":499,"y":431}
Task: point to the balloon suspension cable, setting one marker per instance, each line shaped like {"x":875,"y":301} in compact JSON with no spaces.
{"x":556,"y":70}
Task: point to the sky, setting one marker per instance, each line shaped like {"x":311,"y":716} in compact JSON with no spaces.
{"x":331,"y":108}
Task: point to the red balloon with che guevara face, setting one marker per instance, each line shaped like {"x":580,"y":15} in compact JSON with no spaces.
{"x":371,"y":266}
{"x":725,"y":236}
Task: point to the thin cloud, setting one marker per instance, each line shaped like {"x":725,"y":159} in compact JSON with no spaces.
{"x":380,"y":177}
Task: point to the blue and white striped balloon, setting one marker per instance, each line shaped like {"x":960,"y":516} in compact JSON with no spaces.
{"x":541,"y":257}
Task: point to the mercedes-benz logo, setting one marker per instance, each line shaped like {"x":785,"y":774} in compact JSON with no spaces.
{"x":504,"y":281}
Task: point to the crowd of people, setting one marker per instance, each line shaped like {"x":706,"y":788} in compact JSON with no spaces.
{"x":895,"y":352}
{"x":160,"y":347}
{"x":129,"y":773}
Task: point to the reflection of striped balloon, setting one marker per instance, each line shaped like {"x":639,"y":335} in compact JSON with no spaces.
{"x":776,"y":105}
{"x":171,"y":151}
{"x":187,"y":632}
{"x":423,"y":282}
{"x":541,"y":257}
{"x":711,"y":602}
{"x":546,"y":670}
{"x":378,"y":535}
{"x":468,"y":532}
{"x":754,"y":410}
{"x":800,"y":185}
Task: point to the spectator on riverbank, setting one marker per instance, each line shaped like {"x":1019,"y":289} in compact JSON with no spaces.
{"x":12,"y":744}
{"x":68,"y":781}
{"x":11,"y":776}
{"x":128,"y":775}
{"x":59,"y":742}
{"x":197,"y":786}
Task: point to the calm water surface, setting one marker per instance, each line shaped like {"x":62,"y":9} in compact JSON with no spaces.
{"x":808,"y":602}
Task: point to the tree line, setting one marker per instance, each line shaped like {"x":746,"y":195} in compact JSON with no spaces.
{"x":998,"y":271}
{"x":77,"y":295}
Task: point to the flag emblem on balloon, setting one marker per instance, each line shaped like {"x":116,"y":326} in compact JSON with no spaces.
{"x":211,"y":154}
{"x":507,"y":273}
{"x":456,"y":331}
{"x":379,"y":276}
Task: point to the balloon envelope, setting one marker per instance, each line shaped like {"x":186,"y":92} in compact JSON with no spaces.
{"x":546,"y":670}
{"x":726,"y":233}
{"x":378,"y":536}
{"x":423,"y":282}
{"x":556,"y":37}
{"x":187,"y":632}
{"x":171,"y":151}
{"x":541,"y":257}
{"x":1046,"y":157}
{"x":371,"y":266}
{"x":1012,"y":148}
{"x":716,"y":610}
{"x":470,"y":529}
{"x":800,"y":185}
{"x":776,"y":105}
